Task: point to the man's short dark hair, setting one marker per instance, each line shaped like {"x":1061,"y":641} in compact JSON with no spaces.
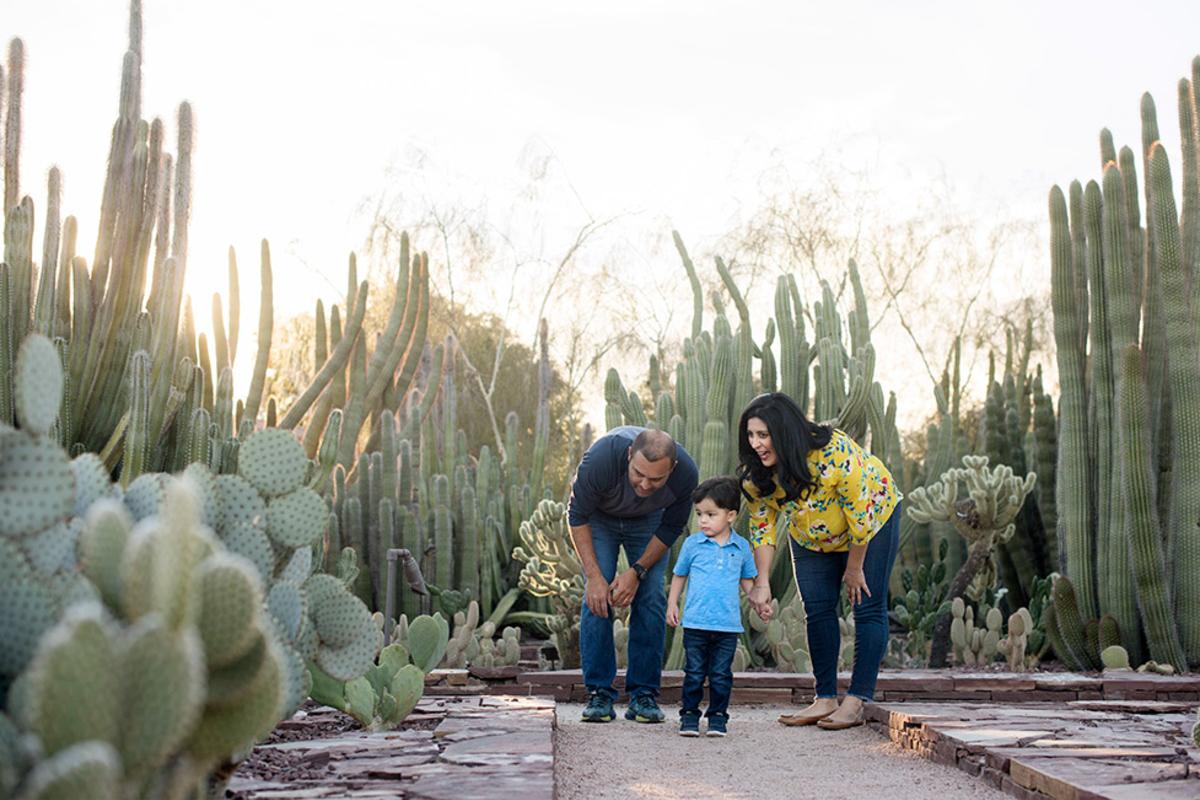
{"x":724,"y":491}
{"x":654,"y":445}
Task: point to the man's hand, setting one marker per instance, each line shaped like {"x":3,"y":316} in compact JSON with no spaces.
{"x":624,"y":588}
{"x":760,"y":600}
{"x":856,"y":585}
{"x":673,"y":615}
{"x":597,"y":595}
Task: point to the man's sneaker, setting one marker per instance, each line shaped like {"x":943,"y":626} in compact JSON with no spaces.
{"x":689,"y":723}
{"x":716,"y":724}
{"x":599,"y":708}
{"x":644,"y":708}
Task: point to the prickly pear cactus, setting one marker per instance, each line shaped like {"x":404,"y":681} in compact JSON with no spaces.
{"x":381,"y":698}
{"x":787,"y":633}
{"x":171,"y":660}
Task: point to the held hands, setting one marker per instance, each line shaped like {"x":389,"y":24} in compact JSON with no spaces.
{"x":760,"y":601}
{"x":856,"y":585}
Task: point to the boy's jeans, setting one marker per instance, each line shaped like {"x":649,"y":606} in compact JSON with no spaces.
{"x":647,"y":614}
{"x":708,"y":654}
{"x":819,"y":576}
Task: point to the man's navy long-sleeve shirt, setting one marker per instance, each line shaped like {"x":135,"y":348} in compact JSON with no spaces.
{"x":602,"y":485}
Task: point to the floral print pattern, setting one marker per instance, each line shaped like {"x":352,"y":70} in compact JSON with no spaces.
{"x":855,"y":494}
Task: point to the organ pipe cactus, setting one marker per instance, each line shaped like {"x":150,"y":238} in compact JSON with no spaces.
{"x":137,"y":375}
{"x":1125,"y":311}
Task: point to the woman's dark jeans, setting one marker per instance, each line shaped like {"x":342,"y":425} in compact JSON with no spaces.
{"x":708,"y":654}
{"x":819,"y":576}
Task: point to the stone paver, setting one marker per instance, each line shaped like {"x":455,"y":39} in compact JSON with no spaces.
{"x":1081,"y":752}
{"x":482,"y":747}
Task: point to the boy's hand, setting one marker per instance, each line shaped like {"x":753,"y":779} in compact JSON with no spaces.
{"x":673,"y":615}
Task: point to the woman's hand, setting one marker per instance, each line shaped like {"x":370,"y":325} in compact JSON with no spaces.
{"x":856,"y":585}
{"x":760,"y":601}
{"x":597,"y":595}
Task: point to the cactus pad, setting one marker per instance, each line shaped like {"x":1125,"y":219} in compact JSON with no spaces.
{"x":228,"y":685}
{"x":229,"y":603}
{"x":299,"y":567}
{"x":321,"y":586}
{"x":92,"y":482}
{"x":273,"y":461}
{"x":250,"y":542}
{"x":427,"y":639}
{"x":285,"y":601}
{"x":340,"y":619}
{"x":27,"y":610}
{"x":144,"y":497}
{"x":228,"y":729}
{"x":53,"y":550}
{"x":38,"y":385}
{"x":37,"y":485}
{"x":297,"y":519}
{"x":88,"y":769}
{"x":407,"y":687}
{"x":73,"y":688}
{"x":347,"y":663}
{"x":239,"y":503}
{"x":206,"y":493}
{"x":163,"y":693}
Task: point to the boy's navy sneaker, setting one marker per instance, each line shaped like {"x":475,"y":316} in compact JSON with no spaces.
{"x":599,"y":708}
{"x":689,"y":723}
{"x":644,"y":708}
{"x":717,"y":724}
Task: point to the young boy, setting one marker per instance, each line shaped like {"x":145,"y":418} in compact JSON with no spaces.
{"x":717,"y":560}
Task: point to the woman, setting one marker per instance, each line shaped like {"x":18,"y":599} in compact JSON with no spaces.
{"x":839,"y":507}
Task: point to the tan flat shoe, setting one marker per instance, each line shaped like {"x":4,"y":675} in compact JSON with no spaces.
{"x":838,"y":725}
{"x":796,"y":720}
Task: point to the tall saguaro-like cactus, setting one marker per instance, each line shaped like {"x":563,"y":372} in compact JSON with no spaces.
{"x":1125,"y":321}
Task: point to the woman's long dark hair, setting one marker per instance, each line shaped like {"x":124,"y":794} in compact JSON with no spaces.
{"x":793,"y":435}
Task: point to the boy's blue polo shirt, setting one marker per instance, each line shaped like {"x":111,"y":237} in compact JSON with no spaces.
{"x":714,"y":572}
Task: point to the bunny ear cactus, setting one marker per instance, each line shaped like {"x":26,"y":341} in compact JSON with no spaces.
{"x":178,"y":673}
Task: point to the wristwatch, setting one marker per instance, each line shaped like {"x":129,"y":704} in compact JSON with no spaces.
{"x":640,"y":570}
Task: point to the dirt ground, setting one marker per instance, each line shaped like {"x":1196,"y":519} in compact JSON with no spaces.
{"x":759,"y":759}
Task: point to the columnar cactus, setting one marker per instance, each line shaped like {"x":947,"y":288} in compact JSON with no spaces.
{"x":1130,"y":379}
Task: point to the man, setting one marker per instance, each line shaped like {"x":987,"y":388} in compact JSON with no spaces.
{"x":632,"y":489}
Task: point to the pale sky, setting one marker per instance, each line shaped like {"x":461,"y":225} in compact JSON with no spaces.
{"x":665,"y":112}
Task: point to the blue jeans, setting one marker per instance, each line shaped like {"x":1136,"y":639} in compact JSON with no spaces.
{"x":709,"y":655}
{"x":819,"y":577}
{"x":647,"y":614}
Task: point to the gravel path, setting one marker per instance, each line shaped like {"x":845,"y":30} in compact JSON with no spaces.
{"x":759,"y":759}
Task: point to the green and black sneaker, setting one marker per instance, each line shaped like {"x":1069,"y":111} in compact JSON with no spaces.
{"x":644,"y":708}
{"x":599,"y":708}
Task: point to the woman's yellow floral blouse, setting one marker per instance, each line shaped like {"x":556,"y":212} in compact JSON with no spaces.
{"x":854,"y":496}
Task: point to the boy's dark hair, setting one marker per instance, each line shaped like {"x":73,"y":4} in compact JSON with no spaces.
{"x":724,"y":491}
